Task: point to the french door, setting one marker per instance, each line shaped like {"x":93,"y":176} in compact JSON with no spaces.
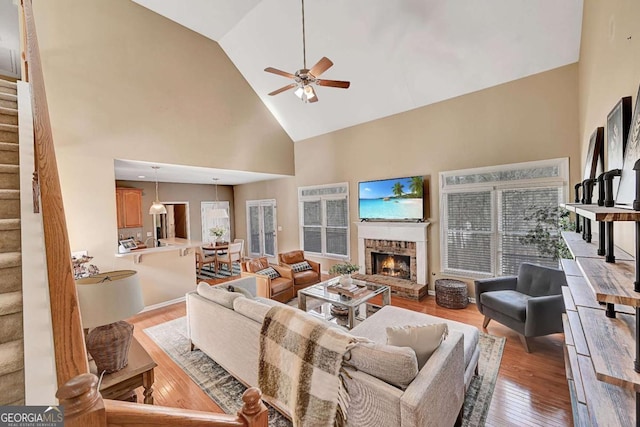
{"x":210,"y":212}
{"x":261,"y":229}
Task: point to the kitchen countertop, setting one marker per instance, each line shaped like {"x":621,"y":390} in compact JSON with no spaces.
{"x":170,"y":244}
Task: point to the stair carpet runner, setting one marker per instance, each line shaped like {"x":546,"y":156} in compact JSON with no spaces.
{"x":11,"y":325}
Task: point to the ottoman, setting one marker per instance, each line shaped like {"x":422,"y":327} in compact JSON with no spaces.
{"x":451,"y":293}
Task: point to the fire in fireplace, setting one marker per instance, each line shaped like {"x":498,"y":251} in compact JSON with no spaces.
{"x":392,"y":265}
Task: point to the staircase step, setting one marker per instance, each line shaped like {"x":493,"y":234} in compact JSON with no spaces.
{"x":9,"y":177}
{"x":8,"y":87}
{"x":10,"y":303}
{"x":10,"y":239}
{"x":9,"y":224}
{"x":9,"y":97}
{"x":11,"y":357}
{"x":10,"y":195}
{"x":10,"y":259}
{"x":7,"y":103}
{"x":8,"y":133}
{"x":11,"y":327}
{"x":8,"y":116}
{"x":9,"y":204}
{"x":12,"y":389}
{"x":10,"y":278}
{"x":9,"y":154}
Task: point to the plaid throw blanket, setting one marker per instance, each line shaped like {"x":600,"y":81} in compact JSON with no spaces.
{"x":301,"y":366}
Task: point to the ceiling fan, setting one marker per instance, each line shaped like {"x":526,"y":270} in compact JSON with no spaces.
{"x":305,"y":78}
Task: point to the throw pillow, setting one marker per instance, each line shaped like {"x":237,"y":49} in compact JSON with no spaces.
{"x":300,"y":266}
{"x":217,"y":294}
{"x":423,"y":339}
{"x":269,"y":271}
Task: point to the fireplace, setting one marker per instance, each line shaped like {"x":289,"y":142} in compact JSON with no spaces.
{"x":398,"y":266}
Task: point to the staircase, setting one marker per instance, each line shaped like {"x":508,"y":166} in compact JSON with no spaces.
{"x":11,"y":329}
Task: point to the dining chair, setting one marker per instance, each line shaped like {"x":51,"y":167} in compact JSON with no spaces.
{"x":202,"y":259}
{"x":232,"y":255}
{"x":242,"y":254}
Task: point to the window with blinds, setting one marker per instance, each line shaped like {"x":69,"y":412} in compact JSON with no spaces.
{"x":324,"y":220}
{"x":485,"y":212}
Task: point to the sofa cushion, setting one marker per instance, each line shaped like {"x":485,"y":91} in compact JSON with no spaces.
{"x":251,"y":308}
{"x":300,"y":266}
{"x":218,"y":295}
{"x":394,"y":365}
{"x":269,"y":271}
{"x":280,"y":284}
{"x":423,"y":339}
{"x":292,"y":257}
{"x":374,"y":327}
{"x":256,"y":264}
{"x":307,"y":277}
{"x":511,"y":303}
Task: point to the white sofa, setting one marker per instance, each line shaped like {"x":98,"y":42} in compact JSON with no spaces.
{"x":226,"y":326}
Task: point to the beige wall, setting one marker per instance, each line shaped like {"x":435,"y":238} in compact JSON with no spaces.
{"x":609,"y":69}
{"x":125,"y":83}
{"x":530,"y":119}
{"x":193,"y":194}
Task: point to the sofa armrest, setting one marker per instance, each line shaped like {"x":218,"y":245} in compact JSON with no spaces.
{"x":263,"y":284}
{"x":315,"y":266}
{"x":544,"y":315}
{"x":284,"y":271}
{"x":436,"y":394}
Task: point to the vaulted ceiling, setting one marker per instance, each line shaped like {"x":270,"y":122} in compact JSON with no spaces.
{"x":398,"y":55}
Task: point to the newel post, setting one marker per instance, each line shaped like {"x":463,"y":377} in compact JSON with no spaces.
{"x":83,"y":405}
{"x":254,"y":412}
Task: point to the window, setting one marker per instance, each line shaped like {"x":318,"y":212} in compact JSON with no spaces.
{"x":484,"y":215}
{"x":324,"y":220}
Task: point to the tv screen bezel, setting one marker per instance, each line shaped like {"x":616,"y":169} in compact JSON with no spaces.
{"x":392,"y":219}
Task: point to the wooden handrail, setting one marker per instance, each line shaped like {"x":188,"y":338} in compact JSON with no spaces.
{"x":68,"y":338}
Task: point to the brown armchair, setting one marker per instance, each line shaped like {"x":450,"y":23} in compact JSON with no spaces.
{"x":301,"y":279}
{"x":279,"y":288}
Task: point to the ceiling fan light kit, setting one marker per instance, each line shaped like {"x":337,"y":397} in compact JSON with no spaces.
{"x":305,"y":78}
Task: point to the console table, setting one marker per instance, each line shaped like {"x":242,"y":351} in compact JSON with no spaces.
{"x":121,"y":385}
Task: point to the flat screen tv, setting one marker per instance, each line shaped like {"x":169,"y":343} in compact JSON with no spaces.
{"x":393,"y":199}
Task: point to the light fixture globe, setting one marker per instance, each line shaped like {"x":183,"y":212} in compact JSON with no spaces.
{"x":157,"y":207}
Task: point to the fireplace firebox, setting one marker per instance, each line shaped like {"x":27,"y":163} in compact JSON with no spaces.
{"x":392,"y":265}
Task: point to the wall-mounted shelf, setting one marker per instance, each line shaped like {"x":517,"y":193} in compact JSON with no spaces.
{"x":581,"y":249}
{"x":601,"y":213}
{"x":612,"y":346}
{"x":611,"y":282}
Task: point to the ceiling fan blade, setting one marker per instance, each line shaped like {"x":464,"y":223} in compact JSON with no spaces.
{"x":282,"y":89}
{"x":323,"y":65}
{"x":334,"y":83}
{"x":279,"y":72}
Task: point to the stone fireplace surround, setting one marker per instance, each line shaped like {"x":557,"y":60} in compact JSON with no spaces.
{"x":402,"y":238}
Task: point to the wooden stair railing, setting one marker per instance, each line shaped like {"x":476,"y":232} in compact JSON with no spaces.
{"x":78,"y":389}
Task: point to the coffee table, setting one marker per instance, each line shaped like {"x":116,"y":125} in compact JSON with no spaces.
{"x":351,"y":304}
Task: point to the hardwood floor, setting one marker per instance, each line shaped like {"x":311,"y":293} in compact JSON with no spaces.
{"x":531,"y":389}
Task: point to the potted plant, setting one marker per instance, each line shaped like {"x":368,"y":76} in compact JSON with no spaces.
{"x":345,"y":270}
{"x":218,"y":232}
{"x":545,"y":235}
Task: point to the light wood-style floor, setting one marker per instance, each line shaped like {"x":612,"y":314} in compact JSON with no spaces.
{"x":531,"y":389}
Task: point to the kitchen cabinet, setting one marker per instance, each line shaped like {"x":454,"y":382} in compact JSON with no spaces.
{"x":129,"y":207}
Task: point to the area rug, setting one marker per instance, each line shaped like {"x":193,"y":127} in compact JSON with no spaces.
{"x":209,"y":273}
{"x":226,"y":391}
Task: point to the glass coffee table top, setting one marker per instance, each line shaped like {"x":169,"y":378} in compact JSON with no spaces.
{"x":334,"y":304}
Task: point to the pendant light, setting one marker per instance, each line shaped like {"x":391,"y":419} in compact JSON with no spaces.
{"x":218,"y":212}
{"x":157,"y":207}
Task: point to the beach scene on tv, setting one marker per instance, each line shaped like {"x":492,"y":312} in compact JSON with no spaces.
{"x":398,"y":198}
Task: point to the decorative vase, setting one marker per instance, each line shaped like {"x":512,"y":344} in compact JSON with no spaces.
{"x":346,"y":280}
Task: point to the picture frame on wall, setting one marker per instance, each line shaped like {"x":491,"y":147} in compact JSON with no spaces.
{"x":595,"y":155}
{"x":627,"y":188}
{"x":618,"y":123}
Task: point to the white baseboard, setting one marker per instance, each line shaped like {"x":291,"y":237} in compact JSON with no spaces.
{"x":162,"y":304}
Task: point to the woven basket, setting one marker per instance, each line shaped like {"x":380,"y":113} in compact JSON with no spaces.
{"x":451,"y":293}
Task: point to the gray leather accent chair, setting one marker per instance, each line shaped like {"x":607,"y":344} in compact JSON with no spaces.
{"x":531,"y":303}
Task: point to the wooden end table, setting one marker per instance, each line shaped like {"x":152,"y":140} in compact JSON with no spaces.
{"x":138,"y":373}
